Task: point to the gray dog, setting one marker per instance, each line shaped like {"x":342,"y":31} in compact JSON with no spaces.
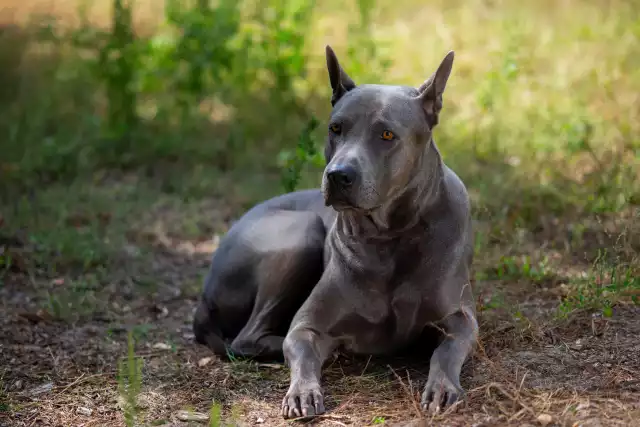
{"x":369,"y":263}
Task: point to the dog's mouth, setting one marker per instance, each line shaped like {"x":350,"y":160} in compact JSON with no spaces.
{"x":342,"y":207}
{"x":338,"y":201}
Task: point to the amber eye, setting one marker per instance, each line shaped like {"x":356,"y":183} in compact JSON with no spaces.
{"x":335,"y":128}
{"x":387,"y":135}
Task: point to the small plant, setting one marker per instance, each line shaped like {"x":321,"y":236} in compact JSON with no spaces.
{"x":79,"y":248}
{"x":4,"y":401}
{"x":214,"y":415}
{"x":378,"y":420}
{"x":494,"y":302}
{"x":306,"y":152}
{"x":140,"y":332}
{"x":605,"y":286}
{"x":72,"y":302}
{"x":514,"y":268}
{"x":130,"y":381}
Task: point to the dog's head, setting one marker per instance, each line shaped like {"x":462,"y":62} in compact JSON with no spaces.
{"x":377,"y":136}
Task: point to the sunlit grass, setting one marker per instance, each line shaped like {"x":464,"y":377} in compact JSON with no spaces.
{"x":546,"y":93}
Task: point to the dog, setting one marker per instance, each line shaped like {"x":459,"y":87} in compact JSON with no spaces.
{"x":368,"y":263}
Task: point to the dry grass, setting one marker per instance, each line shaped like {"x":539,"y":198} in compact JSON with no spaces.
{"x":530,"y":366}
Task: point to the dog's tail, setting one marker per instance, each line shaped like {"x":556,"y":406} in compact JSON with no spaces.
{"x":207,"y":332}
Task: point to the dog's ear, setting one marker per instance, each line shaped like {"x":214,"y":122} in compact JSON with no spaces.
{"x":430,"y":92}
{"x":341,"y":83}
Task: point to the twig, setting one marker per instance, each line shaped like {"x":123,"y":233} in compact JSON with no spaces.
{"x":80,"y":379}
{"x":332,"y":418}
{"x":366,"y":366}
{"x":413,"y":400}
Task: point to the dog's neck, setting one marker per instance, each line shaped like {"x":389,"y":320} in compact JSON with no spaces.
{"x":407,"y":210}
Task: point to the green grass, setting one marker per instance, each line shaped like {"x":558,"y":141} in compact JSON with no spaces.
{"x":605,"y":285}
{"x":514,"y":268}
{"x":5,"y":407}
{"x":130,"y":382}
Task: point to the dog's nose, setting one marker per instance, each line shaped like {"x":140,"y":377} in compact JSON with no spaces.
{"x":341,"y":176}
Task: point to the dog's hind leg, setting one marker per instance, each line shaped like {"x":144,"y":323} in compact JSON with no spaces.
{"x":206,"y":330}
{"x":265,"y":269}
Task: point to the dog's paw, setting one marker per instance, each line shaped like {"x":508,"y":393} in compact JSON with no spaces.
{"x":303,"y":399}
{"x":440,"y":393}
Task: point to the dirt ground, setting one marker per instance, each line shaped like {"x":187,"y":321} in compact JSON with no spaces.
{"x":532,"y":368}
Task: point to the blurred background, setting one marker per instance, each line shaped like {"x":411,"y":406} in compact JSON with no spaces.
{"x":543,"y":104}
{"x":133,"y":132}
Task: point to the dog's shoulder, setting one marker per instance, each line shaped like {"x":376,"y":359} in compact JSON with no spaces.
{"x":451,"y":221}
{"x":456,"y":195}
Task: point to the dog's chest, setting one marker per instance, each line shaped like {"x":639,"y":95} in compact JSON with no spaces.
{"x":388,"y":296}
{"x":386,"y":315}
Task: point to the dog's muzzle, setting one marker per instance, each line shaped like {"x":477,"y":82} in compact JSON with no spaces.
{"x":340,"y":182}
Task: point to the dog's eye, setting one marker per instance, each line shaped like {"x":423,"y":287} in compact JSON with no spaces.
{"x":335,"y":128}
{"x":387,"y":135}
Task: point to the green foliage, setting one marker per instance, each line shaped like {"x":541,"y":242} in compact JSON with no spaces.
{"x":214,"y":415}
{"x":5,"y":407}
{"x":216,"y":419}
{"x":365,"y":58}
{"x":72,"y":301}
{"x":364,"y":61}
{"x":138,"y":98}
{"x":130,"y":381}
{"x":607,"y":284}
{"x":117,"y":63}
{"x":306,"y":152}
{"x":514,"y":268}
{"x":231,"y":85}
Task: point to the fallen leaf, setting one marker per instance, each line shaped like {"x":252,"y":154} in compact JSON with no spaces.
{"x":192,"y":416}
{"x":544,"y":419}
{"x":204,"y":361}
{"x":41,"y":389}
{"x":37,"y":317}
{"x":161,"y":346}
{"x":84,"y":411}
{"x":160,"y":311}
{"x":271,"y":365}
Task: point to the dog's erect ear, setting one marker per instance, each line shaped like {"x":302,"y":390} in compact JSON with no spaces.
{"x":431,"y":90}
{"x":341,"y":83}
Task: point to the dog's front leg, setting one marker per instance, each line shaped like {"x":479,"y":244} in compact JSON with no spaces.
{"x":305,"y":350}
{"x":308,"y":344}
{"x":443,"y":385}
